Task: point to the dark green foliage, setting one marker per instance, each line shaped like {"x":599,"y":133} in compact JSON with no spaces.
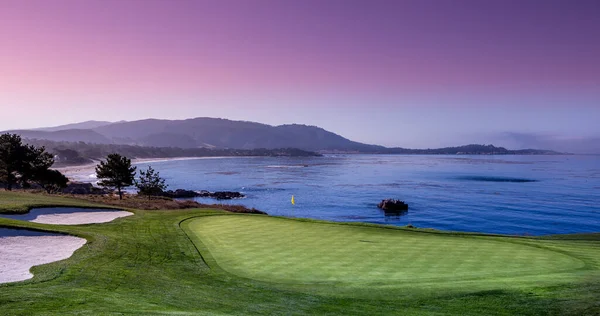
{"x":35,"y":165}
{"x":52,"y":180}
{"x":11,"y":155}
{"x":69,"y":156}
{"x":116,"y":172}
{"x":150,"y":183}
{"x":26,"y":164}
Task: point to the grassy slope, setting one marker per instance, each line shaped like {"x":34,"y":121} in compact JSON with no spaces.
{"x":20,"y":202}
{"x":146,"y":264}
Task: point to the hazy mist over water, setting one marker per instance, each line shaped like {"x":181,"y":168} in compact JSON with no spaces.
{"x":524,"y":195}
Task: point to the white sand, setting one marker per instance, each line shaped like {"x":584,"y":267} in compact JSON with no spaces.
{"x":19,"y":253}
{"x":78,"y":218}
{"x":81,"y":173}
{"x":87,"y":173}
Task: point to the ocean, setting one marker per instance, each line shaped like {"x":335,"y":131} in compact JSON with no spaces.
{"x":517,"y":195}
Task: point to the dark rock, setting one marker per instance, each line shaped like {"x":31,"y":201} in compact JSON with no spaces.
{"x":83,"y":188}
{"x":221,"y":195}
{"x":180,"y":194}
{"x":393,"y":205}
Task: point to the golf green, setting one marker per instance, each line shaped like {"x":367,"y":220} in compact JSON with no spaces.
{"x":241,"y":264}
{"x":293,"y":251}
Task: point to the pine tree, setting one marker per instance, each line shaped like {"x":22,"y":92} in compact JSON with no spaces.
{"x":116,"y":172}
{"x":12,"y":154}
{"x":150,"y":183}
{"x":52,"y":180}
{"x":23,"y":164}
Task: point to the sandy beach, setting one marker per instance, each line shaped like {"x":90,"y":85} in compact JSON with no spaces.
{"x":87,"y":172}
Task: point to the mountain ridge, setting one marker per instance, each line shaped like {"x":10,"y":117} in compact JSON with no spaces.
{"x":67,"y":135}
{"x":218,"y":133}
{"x":81,"y":125}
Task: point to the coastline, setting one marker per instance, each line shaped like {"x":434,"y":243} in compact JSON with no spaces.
{"x":85,"y":172}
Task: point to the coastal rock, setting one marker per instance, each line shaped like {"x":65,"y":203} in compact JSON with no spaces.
{"x":219,"y":195}
{"x":83,"y":188}
{"x":180,"y":194}
{"x":393,"y":205}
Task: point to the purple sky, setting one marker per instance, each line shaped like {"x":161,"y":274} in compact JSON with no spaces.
{"x":403,"y":73}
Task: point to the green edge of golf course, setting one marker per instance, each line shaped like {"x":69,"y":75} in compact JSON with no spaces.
{"x":201,"y":261}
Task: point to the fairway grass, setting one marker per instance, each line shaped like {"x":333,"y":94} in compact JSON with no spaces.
{"x":210,"y":262}
{"x":21,"y":202}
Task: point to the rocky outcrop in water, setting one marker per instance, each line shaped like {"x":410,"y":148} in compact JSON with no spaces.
{"x":180,"y":194}
{"x":219,"y":195}
{"x":393,"y":205}
{"x":83,"y":188}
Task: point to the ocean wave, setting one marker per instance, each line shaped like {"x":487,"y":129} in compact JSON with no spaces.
{"x":261,"y":189}
{"x":286,"y":166}
{"x":431,"y":185}
{"x":479,"y":161}
{"x":356,"y":217}
{"x":226,"y":173}
{"x":495,"y":179}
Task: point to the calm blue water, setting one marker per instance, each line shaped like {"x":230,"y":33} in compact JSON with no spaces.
{"x":524,"y":195}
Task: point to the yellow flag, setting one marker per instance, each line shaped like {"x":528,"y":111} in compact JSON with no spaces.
{"x":293,"y":202}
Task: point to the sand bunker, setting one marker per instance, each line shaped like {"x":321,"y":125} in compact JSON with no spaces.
{"x":22,"y":249}
{"x":69,"y":215}
{"x":80,"y":217}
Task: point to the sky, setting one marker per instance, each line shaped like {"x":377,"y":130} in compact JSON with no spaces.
{"x":424,"y":73}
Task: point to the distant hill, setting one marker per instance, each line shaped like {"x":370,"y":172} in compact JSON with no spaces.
{"x":82,"y":125}
{"x":472,"y":149}
{"x":217,"y":133}
{"x":222,"y":133}
{"x":69,"y":135}
{"x":78,"y":153}
{"x":580,"y":145}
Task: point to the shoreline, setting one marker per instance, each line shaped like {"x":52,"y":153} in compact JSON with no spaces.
{"x":83,"y":173}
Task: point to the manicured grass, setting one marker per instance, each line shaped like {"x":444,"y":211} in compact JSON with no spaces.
{"x":21,"y":202}
{"x":290,"y":251}
{"x":147,"y":264}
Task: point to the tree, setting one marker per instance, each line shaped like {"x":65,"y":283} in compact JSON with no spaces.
{"x":11,"y":156}
{"x":20,"y":163}
{"x":70,"y":156}
{"x":52,"y":180}
{"x":150,"y":183}
{"x":116,"y":172}
{"x":35,"y":166}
